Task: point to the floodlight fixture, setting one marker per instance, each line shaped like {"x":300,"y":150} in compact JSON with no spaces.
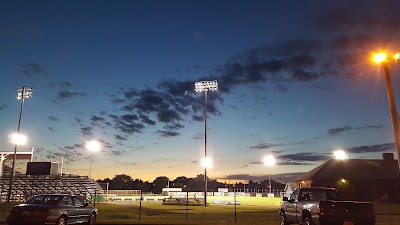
{"x":206,"y":162}
{"x":24,"y":92}
{"x":340,"y":154}
{"x":269,"y":160}
{"x":93,"y":146}
{"x":18,"y":139}
{"x":380,"y":57}
{"x":396,"y":56}
{"x":206,"y":86}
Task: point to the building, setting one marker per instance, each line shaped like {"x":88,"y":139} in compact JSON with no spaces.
{"x":357,"y":179}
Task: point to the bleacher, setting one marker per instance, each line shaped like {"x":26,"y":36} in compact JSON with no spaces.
{"x":25,"y":186}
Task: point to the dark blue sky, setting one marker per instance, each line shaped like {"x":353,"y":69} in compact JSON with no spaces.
{"x":295,"y":80}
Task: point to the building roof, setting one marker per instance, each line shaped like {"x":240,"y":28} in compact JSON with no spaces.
{"x":360,"y":169}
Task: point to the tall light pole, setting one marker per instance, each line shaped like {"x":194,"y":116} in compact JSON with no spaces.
{"x":205,"y":86}
{"x":381,"y":58}
{"x":269,"y":161}
{"x":92,"y":146}
{"x":22,"y":93}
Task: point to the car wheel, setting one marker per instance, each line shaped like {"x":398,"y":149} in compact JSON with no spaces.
{"x":308,"y":221}
{"x":62,"y":221}
{"x":92,"y":219}
{"x":284,"y":221}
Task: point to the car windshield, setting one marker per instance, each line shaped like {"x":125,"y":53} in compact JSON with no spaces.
{"x":43,"y":200}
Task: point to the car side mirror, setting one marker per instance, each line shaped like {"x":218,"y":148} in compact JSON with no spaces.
{"x":285,"y":199}
{"x":86,"y":204}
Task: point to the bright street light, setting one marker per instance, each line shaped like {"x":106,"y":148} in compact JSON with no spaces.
{"x":92,"y":146}
{"x":269,"y":161}
{"x":205,"y":86}
{"x":340,"y":154}
{"x":381,"y":58}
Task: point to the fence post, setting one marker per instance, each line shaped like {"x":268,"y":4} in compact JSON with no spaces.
{"x":187,"y":205}
{"x":140,"y":205}
{"x":234,"y":202}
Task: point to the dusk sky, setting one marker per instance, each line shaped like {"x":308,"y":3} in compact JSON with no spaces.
{"x":295,"y":78}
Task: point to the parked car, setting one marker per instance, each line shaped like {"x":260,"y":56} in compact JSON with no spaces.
{"x":55,"y":209}
{"x":322,"y":206}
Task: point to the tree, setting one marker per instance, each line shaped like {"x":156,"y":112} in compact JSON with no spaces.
{"x":159,"y":183}
{"x":180,"y":182}
{"x":121,"y":182}
{"x":196,"y":184}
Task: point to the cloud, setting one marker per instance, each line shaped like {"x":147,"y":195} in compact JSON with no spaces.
{"x":145,"y":119}
{"x":304,"y":158}
{"x":262,"y":146}
{"x":174,"y":126}
{"x":167,"y":133}
{"x":97,"y":120}
{"x":68,"y":94}
{"x":4,"y":106}
{"x":281,"y":88}
{"x":129,"y":118}
{"x":168,"y":115}
{"x":120,"y":138}
{"x":337,"y":131}
{"x":19,"y":31}
{"x":388,"y":147}
{"x":117,"y":153}
{"x":271,"y":67}
{"x":33,"y":69}
{"x":51,"y":129}
{"x":87,"y":131}
{"x":199,"y":136}
{"x":53,"y":118}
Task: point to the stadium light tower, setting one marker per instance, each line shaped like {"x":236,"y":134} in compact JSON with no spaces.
{"x":205,"y":86}
{"x":22,"y":93}
{"x":269,"y":161}
{"x":382,"y":59}
{"x":92,"y":146}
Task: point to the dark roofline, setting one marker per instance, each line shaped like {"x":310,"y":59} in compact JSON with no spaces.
{"x":354,"y":168}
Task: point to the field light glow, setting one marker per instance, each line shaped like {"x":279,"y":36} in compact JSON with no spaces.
{"x":379,"y":57}
{"x":18,"y":139}
{"x":93,"y":146}
{"x":269,"y":160}
{"x":206,"y":162}
{"x":340,"y":155}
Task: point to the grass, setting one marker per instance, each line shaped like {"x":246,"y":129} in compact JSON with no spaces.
{"x":153,"y":213}
{"x":252,"y":210}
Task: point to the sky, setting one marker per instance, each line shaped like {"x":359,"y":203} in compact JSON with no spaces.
{"x":295,"y":81}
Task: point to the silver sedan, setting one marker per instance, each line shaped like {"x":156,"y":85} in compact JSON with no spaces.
{"x":54,"y":209}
